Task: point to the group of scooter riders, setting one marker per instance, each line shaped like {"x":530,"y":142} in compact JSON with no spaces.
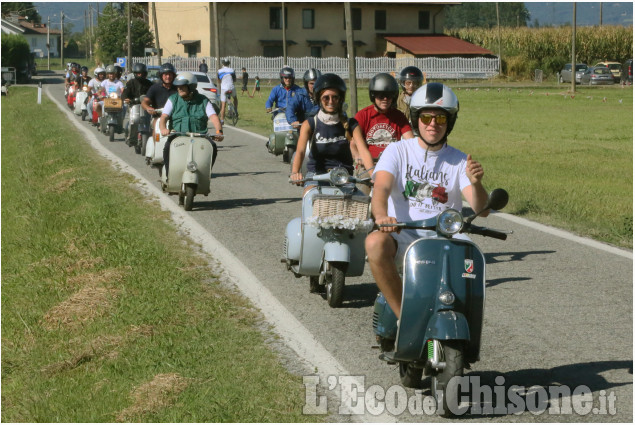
{"x":400,"y":140}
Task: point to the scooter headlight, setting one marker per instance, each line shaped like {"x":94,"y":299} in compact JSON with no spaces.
{"x":447,"y":298}
{"x":192,"y":166}
{"x":113,"y":95}
{"x":449,"y":222}
{"x":339,"y":176}
{"x":290,"y":135}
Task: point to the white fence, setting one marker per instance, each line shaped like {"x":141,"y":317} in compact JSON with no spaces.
{"x":269,"y":68}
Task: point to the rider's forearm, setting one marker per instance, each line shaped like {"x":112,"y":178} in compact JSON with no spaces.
{"x":479,"y":198}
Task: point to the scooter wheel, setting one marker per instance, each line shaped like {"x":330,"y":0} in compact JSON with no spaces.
{"x":410,"y":375}
{"x":84,"y":114}
{"x":111,"y":133}
{"x":190,"y":191}
{"x":443,"y":390}
{"x":335,"y":284}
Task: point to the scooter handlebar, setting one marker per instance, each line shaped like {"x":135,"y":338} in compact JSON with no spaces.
{"x":492,"y":233}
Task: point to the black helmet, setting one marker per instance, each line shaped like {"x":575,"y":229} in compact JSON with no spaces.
{"x":119,"y":70}
{"x":410,"y":73}
{"x":167,"y":67}
{"x":434,"y":96}
{"x":139,"y":68}
{"x":74,"y":65}
{"x":329,"y":81}
{"x":287,"y":72}
{"x":84,"y":69}
{"x":383,"y":83}
{"x":225,"y":62}
{"x":311,"y":74}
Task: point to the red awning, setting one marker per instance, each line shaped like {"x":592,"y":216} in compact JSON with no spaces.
{"x":432,"y":45}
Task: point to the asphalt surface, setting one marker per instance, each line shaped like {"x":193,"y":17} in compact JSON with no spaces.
{"x":558,"y":313}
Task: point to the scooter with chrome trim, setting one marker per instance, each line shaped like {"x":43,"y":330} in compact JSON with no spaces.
{"x":154,"y":148}
{"x":327,"y":242}
{"x":81,"y":100}
{"x":284,"y":139}
{"x":190,"y":169}
{"x":439,"y":331}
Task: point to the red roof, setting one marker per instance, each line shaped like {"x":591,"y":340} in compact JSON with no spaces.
{"x":436,"y":45}
{"x":37,"y":28}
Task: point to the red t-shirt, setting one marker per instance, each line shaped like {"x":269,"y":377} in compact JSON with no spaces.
{"x":381,"y":129}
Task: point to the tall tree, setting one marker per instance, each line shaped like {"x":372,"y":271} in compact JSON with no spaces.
{"x":112,"y":32}
{"x":24,"y":9}
{"x":484,"y":15}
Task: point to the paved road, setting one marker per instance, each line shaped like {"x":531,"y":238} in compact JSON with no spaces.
{"x":557,"y":312}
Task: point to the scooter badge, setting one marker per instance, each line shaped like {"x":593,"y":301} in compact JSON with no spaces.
{"x":469,"y":268}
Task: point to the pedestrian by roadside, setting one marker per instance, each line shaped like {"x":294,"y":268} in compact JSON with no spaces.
{"x":256,"y":87}
{"x":245,"y":82}
{"x":203,"y":67}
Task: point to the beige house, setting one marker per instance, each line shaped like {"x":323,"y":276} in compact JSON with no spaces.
{"x":312,"y":29}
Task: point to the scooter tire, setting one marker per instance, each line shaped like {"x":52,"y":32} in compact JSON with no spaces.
{"x":290,"y":153}
{"x":84,"y":115}
{"x":111,"y":133}
{"x":445,"y":392}
{"x":144,"y":142}
{"x":190,"y":192}
{"x":335,"y":284}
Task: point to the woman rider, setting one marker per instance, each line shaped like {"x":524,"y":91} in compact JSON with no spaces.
{"x":327,"y":134}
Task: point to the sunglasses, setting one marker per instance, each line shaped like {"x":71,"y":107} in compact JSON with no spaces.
{"x":334,"y":98}
{"x":427,"y":118}
{"x":383,"y":95}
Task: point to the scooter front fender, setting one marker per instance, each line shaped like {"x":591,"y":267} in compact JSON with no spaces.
{"x":336,"y":251}
{"x":190,"y":177}
{"x":449,"y":324}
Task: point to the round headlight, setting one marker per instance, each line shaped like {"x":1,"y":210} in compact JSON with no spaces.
{"x":113,"y":95}
{"x":447,"y":298}
{"x":339,"y":176}
{"x":192,"y":166}
{"x":450,"y":222}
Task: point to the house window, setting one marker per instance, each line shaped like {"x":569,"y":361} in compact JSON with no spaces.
{"x":275,"y":18}
{"x":380,"y":19}
{"x":272,"y":51}
{"x":356,"y":17}
{"x":316,"y":51}
{"x":308,"y":18}
{"x":424,"y":20}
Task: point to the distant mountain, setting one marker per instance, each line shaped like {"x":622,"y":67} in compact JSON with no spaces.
{"x":558,"y":13}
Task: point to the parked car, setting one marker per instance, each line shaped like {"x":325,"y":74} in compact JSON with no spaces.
{"x":615,"y":67}
{"x":565,"y":73}
{"x":627,"y":72}
{"x":597,"y":75}
{"x":153,"y":73}
{"x":206,"y":87}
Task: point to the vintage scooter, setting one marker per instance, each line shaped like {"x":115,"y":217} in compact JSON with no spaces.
{"x":70,"y":97}
{"x":112,"y":121}
{"x":439,"y":332}
{"x":144,"y":127}
{"x":154,"y":150}
{"x":284,"y":139}
{"x":327,"y":242}
{"x":81,"y":99}
{"x":190,"y":167}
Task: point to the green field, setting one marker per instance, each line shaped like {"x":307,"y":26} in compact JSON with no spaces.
{"x":566,"y":161}
{"x":107,"y":315}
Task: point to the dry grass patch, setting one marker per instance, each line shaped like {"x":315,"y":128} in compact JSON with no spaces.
{"x":62,"y":172}
{"x":103,"y":346}
{"x":153,"y":396}
{"x":62,"y":186}
{"x":90,"y":302}
{"x":97,"y":278}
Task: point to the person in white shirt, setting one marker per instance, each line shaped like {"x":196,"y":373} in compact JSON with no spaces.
{"x":416,"y":179}
{"x":226,"y":77}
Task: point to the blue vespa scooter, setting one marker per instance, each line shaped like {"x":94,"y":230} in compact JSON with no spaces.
{"x":439,"y":332}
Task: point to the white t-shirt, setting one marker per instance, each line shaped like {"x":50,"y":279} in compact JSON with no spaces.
{"x":226,"y":80}
{"x":417,"y":180}
{"x":94,"y":84}
{"x":112,"y":86}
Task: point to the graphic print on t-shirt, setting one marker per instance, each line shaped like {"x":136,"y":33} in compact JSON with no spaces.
{"x":380,"y":135}
{"x":425,"y":187}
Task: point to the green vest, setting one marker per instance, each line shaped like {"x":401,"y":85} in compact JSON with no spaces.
{"x":189,"y":116}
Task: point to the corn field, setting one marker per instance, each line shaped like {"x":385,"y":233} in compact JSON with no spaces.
{"x":525,"y":49}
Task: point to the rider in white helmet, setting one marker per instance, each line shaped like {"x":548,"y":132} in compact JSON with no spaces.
{"x":416,"y":179}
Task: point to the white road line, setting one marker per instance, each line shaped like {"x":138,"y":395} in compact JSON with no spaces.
{"x":292,"y":331}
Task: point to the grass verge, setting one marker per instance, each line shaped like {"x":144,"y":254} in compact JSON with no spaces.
{"x":565,"y":161}
{"x":106,"y":313}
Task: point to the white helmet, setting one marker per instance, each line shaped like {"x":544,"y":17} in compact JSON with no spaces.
{"x":186,"y":78}
{"x":99,"y":70}
{"x":434,"y":96}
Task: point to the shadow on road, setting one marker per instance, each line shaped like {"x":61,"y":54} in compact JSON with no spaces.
{"x":492,"y":257}
{"x":359,"y":296}
{"x":494,"y":282}
{"x":246,"y":173}
{"x":227,"y":204}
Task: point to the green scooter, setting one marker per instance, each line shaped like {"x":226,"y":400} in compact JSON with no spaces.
{"x":284,"y":139}
{"x":439,"y":332}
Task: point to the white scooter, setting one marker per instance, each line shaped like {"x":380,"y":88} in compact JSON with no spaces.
{"x":190,"y":167}
{"x":154,"y":150}
{"x":81,"y":99}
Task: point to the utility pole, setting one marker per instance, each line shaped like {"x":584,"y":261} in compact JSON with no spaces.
{"x":498,"y":23}
{"x":48,"y":44}
{"x":90,"y":30}
{"x":600,"y":13}
{"x":156,"y":31}
{"x":573,"y":62}
{"x":350,"y":44}
{"x":217,"y":37}
{"x":128,"y":64}
{"x":86,"y":34}
{"x":284,"y":37}
{"x":62,"y":46}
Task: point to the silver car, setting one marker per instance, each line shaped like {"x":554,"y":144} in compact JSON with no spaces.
{"x":206,"y":87}
{"x":565,"y":73}
{"x":597,"y":75}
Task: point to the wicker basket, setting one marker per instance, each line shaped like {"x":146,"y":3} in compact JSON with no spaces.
{"x":328,"y":206}
{"x":113,"y":105}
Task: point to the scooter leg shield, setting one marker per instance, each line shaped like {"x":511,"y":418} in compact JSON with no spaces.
{"x":384,"y":320}
{"x":293,"y":239}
